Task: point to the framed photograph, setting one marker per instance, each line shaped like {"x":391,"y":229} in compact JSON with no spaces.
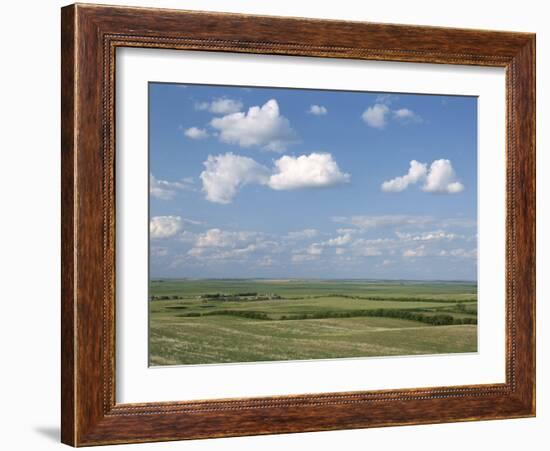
{"x":278,"y":225}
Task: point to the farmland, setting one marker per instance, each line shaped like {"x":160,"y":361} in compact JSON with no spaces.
{"x":241,"y":320}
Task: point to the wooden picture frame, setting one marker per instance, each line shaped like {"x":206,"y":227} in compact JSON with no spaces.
{"x":90,"y":36}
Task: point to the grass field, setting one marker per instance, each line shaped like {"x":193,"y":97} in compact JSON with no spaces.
{"x":222,"y":321}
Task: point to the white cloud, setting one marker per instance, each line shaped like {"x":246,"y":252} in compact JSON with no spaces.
{"x":261,"y":126}
{"x":221,"y":105}
{"x":196,"y":133}
{"x":215,"y":244}
{"x":406,"y":115}
{"x":376,"y":115}
{"x":340,"y":240}
{"x":442,"y":178}
{"x":416,"y":172}
{"x":162,"y":189}
{"x":380,"y":248}
{"x":225,"y":174}
{"x":307,"y":171}
{"x":223,"y":238}
{"x":402,"y":113}
{"x":409,"y":245}
{"x":423,"y":251}
{"x":164,"y":226}
{"x":317,"y":110}
{"x":437,"y":235}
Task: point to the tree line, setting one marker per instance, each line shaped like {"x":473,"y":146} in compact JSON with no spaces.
{"x":434,"y":320}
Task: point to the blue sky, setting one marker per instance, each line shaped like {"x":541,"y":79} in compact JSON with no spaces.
{"x":280,"y":183}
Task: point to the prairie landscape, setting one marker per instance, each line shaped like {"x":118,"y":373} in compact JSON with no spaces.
{"x":298,"y":224}
{"x":254,"y":320}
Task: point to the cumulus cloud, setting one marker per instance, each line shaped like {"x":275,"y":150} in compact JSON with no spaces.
{"x":417,"y":171}
{"x":376,"y":115}
{"x":223,"y":238}
{"x":355,"y":246}
{"x":307,"y":171}
{"x":442,"y":178}
{"x":162,"y":189}
{"x":340,"y":240}
{"x":225,"y":174}
{"x":261,"y":126}
{"x":196,"y":133}
{"x":164,"y":226}
{"x":216,"y":244}
{"x":221,"y":105}
{"x":317,"y":110}
{"x":406,"y":115}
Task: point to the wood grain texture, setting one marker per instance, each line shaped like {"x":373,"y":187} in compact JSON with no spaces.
{"x":90,"y":36}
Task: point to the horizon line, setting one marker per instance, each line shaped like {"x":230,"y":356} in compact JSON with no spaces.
{"x":152,"y":279}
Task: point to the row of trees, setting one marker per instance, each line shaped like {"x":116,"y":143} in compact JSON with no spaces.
{"x":166,"y":298}
{"x":236,"y":297}
{"x":400,"y":299}
{"x":435,"y":320}
{"x":251,"y":314}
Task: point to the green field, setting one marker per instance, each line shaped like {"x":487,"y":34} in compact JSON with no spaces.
{"x":223,"y":321}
